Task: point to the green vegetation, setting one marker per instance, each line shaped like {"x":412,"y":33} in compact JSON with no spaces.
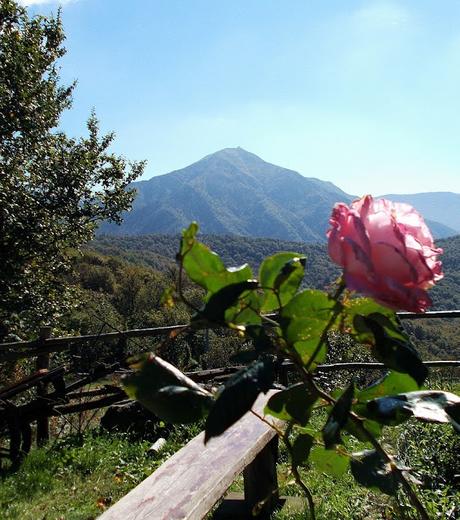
{"x":435,"y":339}
{"x":53,"y":189}
{"x":77,"y":478}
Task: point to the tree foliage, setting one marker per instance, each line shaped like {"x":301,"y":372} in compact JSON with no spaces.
{"x":54,"y":189}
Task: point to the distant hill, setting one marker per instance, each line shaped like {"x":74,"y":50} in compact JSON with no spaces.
{"x":233,"y":192}
{"x":443,"y":207}
{"x":439,"y":230}
{"x":159,"y":251}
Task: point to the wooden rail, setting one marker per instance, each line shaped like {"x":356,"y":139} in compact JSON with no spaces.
{"x":192,"y":481}
{"x":27,"y":349}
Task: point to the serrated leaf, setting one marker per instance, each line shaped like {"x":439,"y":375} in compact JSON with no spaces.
{"x":426,"y":405}
{"x":293,"y":404}
{"x":391,"y":383}
{"x":395,"y":352}
{"x":281,"y":273}
{"x":246,"y":311}
{"x":338,"y":417}
{"x":370,"y":470}
{"x":373,"y":427}
{"x":221,"y":306}
{"x":359,"y":307}
{"x":301,"y":448}
{"x":205,"y":267}
{"x":238,"y":395}
{"x":330,"y":462}
{"x":303,"y":321}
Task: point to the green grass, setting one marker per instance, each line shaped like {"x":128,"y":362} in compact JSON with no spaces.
{"x":76,"y":479}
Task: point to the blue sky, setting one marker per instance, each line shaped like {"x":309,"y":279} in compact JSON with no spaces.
{"x":363,"y":94}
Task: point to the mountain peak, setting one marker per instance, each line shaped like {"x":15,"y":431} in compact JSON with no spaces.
{"x":237,"y":156}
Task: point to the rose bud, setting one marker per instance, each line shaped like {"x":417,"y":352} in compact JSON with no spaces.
{"x":386,"y":251}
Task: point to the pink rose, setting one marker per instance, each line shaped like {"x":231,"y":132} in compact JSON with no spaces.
{"x":386,"y":251}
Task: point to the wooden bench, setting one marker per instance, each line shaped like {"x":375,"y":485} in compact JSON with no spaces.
{"x":193,"y":480}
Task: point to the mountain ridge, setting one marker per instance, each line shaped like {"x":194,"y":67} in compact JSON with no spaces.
{"x":235,"y":192}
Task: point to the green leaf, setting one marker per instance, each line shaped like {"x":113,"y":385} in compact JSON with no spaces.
{"x":180,"y":405}
{"x":166,"y":391}
{"x":303,"y":321}
{"x":370,"y":470}
{"x":395,"y":351}
{"x":427,"y":405}
{"x":293,"y":404}
{"x":330,"y":462}
{"x":246,"y":311}
{"x":217,"y":309}
{"x":238,"y":395}
{"x":338,"y":418}
{"x":358,"y":307}
{"x":281,"y":273}
{"x":205,"y":267}
{"x":371,"y":426}
{"x":301,"y":448}
{"x":392,"y":383}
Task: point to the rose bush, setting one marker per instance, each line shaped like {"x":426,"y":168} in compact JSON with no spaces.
{"x":386,"y":251}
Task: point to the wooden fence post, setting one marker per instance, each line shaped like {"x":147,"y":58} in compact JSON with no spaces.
{"x":261,"y":482}
{"x":43,"y":362}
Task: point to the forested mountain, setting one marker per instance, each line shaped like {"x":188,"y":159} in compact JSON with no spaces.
{"x":159,"y":251}
{"x":233,"y":192}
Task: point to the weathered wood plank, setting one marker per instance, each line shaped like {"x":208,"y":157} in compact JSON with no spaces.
{"x":188,"y":484}
{"x":261,"y":481}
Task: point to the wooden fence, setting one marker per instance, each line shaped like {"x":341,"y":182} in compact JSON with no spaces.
{"x":66,"y":396}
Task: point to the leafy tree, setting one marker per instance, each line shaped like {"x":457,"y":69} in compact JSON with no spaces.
{"x":53,"y":189}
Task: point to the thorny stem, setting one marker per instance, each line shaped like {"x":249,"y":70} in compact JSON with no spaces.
{"x":308,"y":379}
{"x":296,"y":474}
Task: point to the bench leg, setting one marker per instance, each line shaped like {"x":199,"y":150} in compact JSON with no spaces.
{"x":261,"y":482}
